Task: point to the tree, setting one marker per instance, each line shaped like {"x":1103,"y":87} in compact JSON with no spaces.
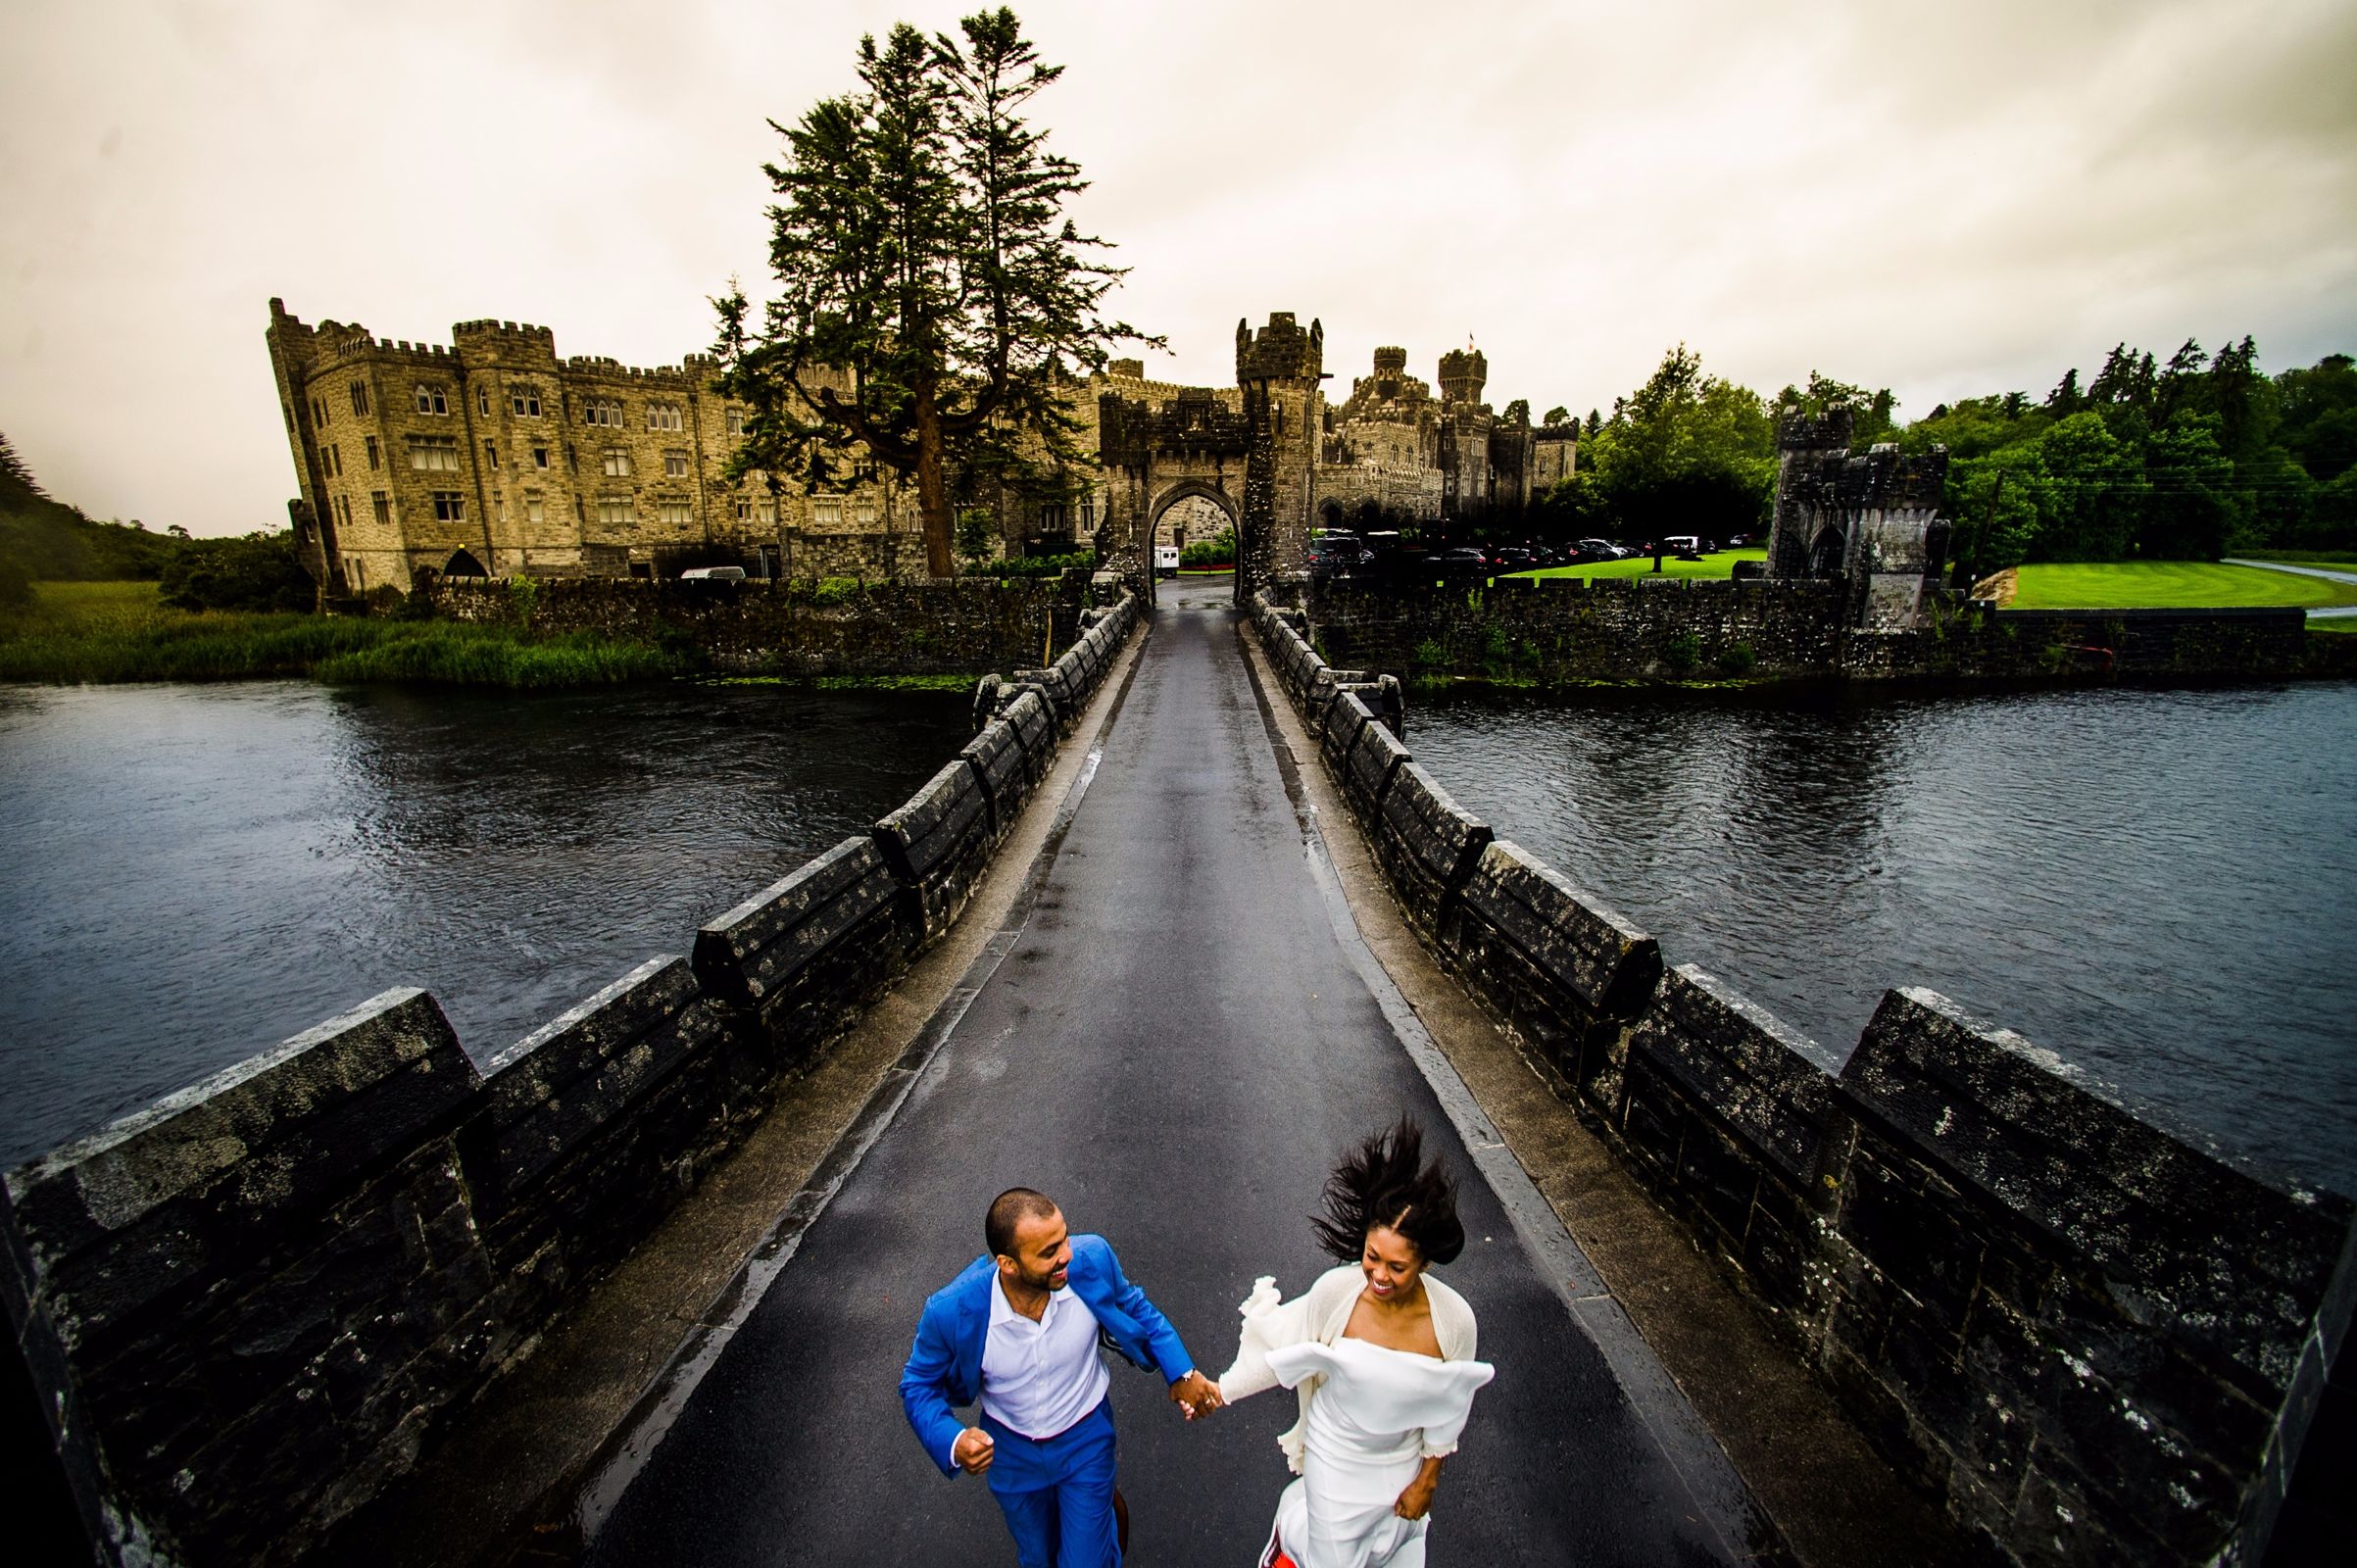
{"x":1518,"y":412}
{"x":934,"y":306}
{"x":977,"y":535}
{"x":1559,"y":415}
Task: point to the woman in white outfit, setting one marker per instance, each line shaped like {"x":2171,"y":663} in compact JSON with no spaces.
{"x":1381,"y":1354}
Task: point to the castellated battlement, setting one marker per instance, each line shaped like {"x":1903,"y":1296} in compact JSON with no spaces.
{"x":1280,"y":351}
{"x":1830,"y":433}
{"x":1391,"y":359}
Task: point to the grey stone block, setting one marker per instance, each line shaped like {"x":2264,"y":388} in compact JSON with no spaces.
{"x":938,"y":844}
{"x":1427,"y":845}
{"x":1367,"y":770}
{"x":997,"y":758}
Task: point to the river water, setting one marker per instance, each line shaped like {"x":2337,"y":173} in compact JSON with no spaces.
{"x":189,"y":874}
{"x":2160,"y":886}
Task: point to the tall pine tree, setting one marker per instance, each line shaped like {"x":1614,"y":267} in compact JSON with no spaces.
{"x":934,"y":304}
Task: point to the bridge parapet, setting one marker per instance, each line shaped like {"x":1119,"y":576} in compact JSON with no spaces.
{"x":250,"y":1307}
{"x":2091,"y":1338}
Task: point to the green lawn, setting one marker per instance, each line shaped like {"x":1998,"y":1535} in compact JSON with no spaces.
{"x":2332,"y":623}
{"x":1721,"y":565}
{"x":2170,"y":585}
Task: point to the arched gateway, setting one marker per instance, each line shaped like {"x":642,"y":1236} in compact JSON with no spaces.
{"x":1249,"y":451}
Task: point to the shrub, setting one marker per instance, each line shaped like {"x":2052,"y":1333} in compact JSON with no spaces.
{"x":260,"y":571}
{"x":16,"y":585}
{"x":1683,"y":654}
{"x":1737,"y":658}
{"x":1207,"y":554}
{"x":1429,"y":654}
{"x":837,"y":590}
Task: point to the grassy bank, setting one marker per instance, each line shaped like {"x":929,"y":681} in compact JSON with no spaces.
{"x":106,"y":632}
{"x":1719,"y":563}
{"x":2171,"y":585}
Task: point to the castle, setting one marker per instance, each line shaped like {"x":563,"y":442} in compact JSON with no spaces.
{"x":492,"y":456}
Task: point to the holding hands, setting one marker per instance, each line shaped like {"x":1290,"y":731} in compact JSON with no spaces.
{"x":1196,"y":1396}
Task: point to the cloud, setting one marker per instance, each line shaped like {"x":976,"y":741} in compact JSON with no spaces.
{"x":1941,"y":199}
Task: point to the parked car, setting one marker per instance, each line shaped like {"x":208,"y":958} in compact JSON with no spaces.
{"x":712,"y":574}
{"x":1599,"y":550}
{"x":1463,"y":562}
{"x":1512,"y":559}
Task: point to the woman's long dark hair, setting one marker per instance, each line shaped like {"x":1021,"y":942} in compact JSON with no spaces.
{"x":1387,"y":1182}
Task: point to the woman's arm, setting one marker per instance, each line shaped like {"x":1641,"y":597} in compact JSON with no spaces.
{"x":1416,"y":1501}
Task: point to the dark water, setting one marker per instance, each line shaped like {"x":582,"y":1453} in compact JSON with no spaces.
{"x":189,"y":874}
{"x":2159,"y":886}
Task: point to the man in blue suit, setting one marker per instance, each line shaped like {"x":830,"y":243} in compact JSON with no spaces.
{"x":1009,"y":1331}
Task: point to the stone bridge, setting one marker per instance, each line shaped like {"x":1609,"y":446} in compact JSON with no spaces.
{"x":1182,"y":921}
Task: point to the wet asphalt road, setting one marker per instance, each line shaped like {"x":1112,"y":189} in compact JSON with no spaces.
{"x":1175,"y":1048}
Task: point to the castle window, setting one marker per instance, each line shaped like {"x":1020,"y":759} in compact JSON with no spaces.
{"x":616,"y":509}
{"x":826,"y":511}
{"x":766,"y":509}
{"x":535,"y":509}
{"x":449,"y":507}
{"x":523,"y":398}
{"x":617,"y":464}
{"x":663,"y":417}
{"x":540,"y":457}
{"x":434,"y":454}
{"x":675,"y":465}
{"x":385,"y":508}
{"x":736,"y":421}
{"x":319,"y":414}
{"x":376,"y":453}
{"x":606,"y":411}
{"x":1088,"y":513}
{"x":676,"y":511}
{"x":482,"y":401}
{"x":1051,"y":517}
{"x":863,"y":512}
{"x":744,"y":509}
{"x":343,"y":510}
{"x":430,"y":400}
{"x":490,"y":454}
{"x":335,"y":460}
{"x":359,"y":398}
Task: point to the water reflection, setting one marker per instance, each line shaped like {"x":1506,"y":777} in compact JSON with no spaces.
{"x":188,"y":874}
{"x":2159,"y":885}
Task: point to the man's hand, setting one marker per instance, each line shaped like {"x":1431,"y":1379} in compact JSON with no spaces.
{"x":1196,"y":1394}
{"x":1416,"y":1501}
{"x":973,"y":1450}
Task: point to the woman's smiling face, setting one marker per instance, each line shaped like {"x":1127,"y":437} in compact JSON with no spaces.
{"x":1390,"y":1263}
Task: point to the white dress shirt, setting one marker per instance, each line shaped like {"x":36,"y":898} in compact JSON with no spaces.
{"x":1041,"y":1378}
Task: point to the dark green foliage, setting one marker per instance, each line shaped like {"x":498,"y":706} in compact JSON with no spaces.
{"x":1683,"y":654}
{"x":933,"y":302}
{"x":16,"y":585}
{"x":1218,"y":551}
{"x":260,"y":571}
{"x":977,"y":535}
{"x":1736,"y":660}
{"x":1035,"y":565}
{"x":1687,"y":453}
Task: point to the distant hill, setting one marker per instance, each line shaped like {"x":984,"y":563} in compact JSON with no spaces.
{"x":50,"y":541}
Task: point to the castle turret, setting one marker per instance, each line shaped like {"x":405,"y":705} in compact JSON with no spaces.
{"x":1463,"y":373}
{"x":1280,"y":352}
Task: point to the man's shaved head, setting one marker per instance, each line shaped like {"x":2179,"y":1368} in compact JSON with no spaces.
{"x":1008,"y":1210}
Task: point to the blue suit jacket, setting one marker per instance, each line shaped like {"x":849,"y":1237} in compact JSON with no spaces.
{"x":945,"y":1364}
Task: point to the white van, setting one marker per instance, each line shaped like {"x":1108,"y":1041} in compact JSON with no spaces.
{"x":1166,"y":560}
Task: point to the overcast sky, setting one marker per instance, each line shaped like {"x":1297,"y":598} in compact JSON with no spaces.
{"x":1946,"y":199}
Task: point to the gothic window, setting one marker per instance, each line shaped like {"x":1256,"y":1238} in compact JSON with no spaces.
{"x":359,"y":398}
{"x":675,"y":465}
{"x":736,"y":421}
{"x":1053,"y":518}
{"x":482,"y":401}
{"x":449,"y":507}
{"x":617,"y":464}
{"x":523,"y":398}
{"x":490,"y":454}
{"x":606,"y":411}
{"x":663,"y":417}
{"x":430,"y":399}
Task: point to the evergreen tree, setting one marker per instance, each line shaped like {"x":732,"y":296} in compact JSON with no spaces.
{"x":2066,"y":398}
{"x":1559,"y":415}
{"x":934,"y":304}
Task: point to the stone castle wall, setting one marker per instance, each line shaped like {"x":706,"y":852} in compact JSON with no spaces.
{"x":1566,"y":630}
{"x":962,"y":627}
{"x":2092,"y":1340}
{"x":247,"y":1307}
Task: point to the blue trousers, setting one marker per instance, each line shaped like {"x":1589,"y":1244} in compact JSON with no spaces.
{"x":1057,"y":1492}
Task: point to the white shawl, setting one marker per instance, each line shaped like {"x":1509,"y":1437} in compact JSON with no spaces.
{"x":1318,"y":1316}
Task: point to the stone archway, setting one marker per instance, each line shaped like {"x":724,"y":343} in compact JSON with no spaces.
{"x":1176,"y":508}
{"x":462,"y":563}
{"x":1826,"y":554}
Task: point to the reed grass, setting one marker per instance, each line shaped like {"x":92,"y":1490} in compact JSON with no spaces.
{"x":105,"y":634}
